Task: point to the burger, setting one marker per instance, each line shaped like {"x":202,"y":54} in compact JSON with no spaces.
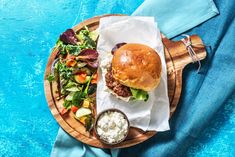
{"x":135,"y":70}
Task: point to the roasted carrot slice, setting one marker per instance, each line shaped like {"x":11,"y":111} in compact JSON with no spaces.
{"x":81,"y":77}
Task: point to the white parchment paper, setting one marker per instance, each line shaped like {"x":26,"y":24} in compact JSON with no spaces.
{"x":150,"y":115}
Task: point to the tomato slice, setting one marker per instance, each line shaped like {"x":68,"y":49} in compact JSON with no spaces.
{"x":64,"y":110}
{"x":74,"y":109}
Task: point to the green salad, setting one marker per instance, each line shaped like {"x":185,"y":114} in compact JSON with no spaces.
{"x":75,"y":72}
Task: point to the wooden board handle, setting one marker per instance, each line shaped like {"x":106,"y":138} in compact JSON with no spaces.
{"x":179,"y":53}
{"x":177,"y":57}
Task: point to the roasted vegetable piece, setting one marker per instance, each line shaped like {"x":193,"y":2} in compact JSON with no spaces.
{"x":94,"y":78}
{"x":82,"y":112}
{"x":86,"y":103}
{"x":71,"y":62}
{"x":82,"y":119}
{"x":74,"y":109}
{"x":64,"y":111}
{"x":81,"y":78}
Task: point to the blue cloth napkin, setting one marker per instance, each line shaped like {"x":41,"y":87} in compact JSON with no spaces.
{"x":177,"y":16}
{"x":172,"y":20}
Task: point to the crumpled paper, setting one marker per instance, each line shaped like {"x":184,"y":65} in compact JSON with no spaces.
{"x":150,"y":115}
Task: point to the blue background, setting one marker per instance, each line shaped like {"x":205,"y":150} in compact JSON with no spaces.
{"x":28,"y":31}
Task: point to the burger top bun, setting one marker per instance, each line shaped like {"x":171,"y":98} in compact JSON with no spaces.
{"x":137,"y":66}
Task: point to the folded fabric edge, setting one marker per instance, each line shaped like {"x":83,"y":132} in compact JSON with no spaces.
{"x":193,"y":24}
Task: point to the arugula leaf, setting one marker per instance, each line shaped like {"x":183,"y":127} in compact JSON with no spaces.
{"x":72,"y":49}
{"x":61,"y":47}
{"x":64,"y":71}
{"x":138,"y":94}
{"x":50,"y":78}
{"x":82,"y":33}
{"x":65,"y":49}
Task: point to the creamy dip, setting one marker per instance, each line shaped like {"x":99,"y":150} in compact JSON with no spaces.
{"x":112,"y":126}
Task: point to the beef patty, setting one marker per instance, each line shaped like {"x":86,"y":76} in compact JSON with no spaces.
{"x":116,"y":86}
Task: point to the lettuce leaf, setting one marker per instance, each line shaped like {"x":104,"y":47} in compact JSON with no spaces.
{"x":86,"y":38}
{"x":69,"y":37}
{"x":138,"y":94}
{"x":89,"y":56}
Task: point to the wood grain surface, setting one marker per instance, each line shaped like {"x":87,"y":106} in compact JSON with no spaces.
{"x":177,"y":58}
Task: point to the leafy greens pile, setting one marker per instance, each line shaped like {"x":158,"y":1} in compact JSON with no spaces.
{"x":75,"y":71}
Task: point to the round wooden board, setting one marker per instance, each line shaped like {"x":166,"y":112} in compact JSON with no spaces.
{"x":176,"y":59}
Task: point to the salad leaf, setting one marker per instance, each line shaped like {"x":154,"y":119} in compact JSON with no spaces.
{"x":69,"y":37}
{"x":88,"y":54}
{"x":86,"y":38}
{"x":70,"y":84}
{"x":93,"y":64}
{"x":90,"y":57}
{"x":81,"y":64}
{"x":78,"y":98}
{"x":50,"y":78}
{"x":67,"y":104}
{"x":72,"y":49}
{"x":84,"y":32}
{"x":89,"y":123}
{"x":69,"y":97}
{"x":94,"y":35}
{"x":64,"y":71}
{"x":138,"y":94}
{"x":72,"y":89}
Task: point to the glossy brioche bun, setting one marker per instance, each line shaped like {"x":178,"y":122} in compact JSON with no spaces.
{"x":137,"y":66}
